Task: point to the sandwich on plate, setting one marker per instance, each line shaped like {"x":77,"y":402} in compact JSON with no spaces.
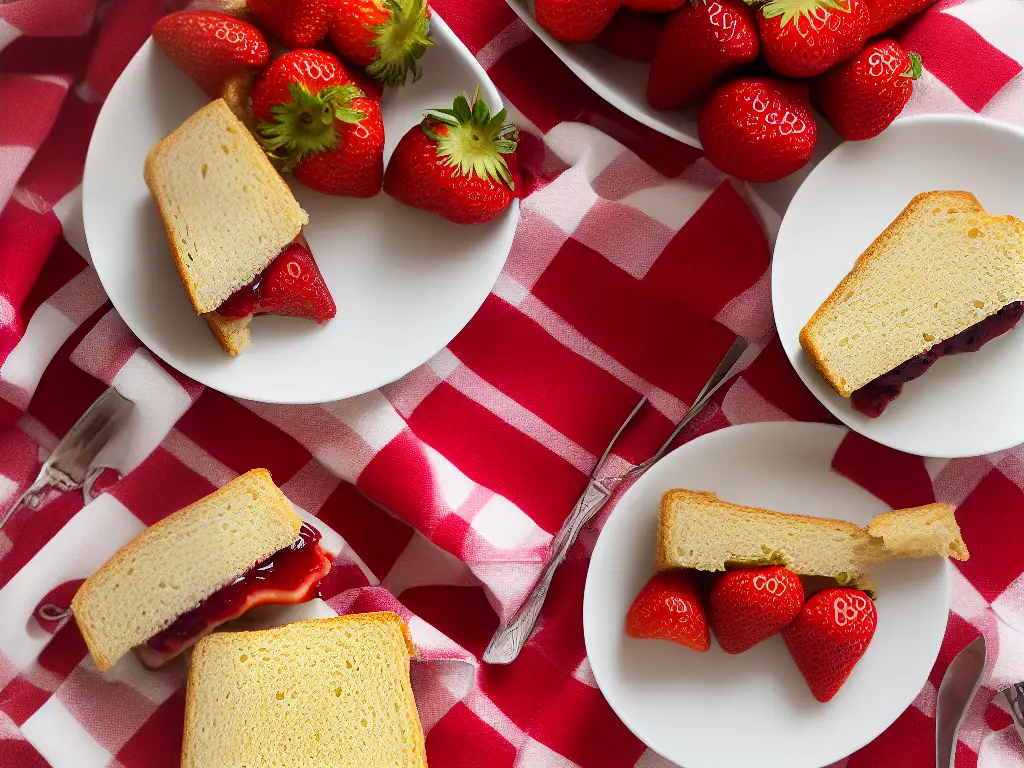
{"x":944,"y":278}
{"x":234,"y":227}
{"x":209,"y":563}
{"x":327,"y":693}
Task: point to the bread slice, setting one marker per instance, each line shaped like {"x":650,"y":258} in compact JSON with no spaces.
{"x":699,"y":530}
{"x":328,"y":693}
{"x":233,"y":333}
{"x":227,"y":211}
{"x":173,"y":565}
{"x":940,"y":267}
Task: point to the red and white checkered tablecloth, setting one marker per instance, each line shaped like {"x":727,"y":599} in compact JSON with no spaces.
{"x":634,"y":265}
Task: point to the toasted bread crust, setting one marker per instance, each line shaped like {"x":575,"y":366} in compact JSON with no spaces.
{"x":814,"y":353}
{"x":85,"y":592}
{"x":233,"y":334}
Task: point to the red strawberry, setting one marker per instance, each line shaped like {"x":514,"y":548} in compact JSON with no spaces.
{"x":757,"y":128}
{"x":697,"y":47}
{"x":296,"y":23}
{"x":829,"y":637}
{"x":632,"y":35}
{"x":452,"y":163}
{"x":750,"y":605}
{"x":656,"y":6}
{"x":669,"y":608}
{"x":292,"y":285}
{"x":388,"y":37}
{"x":319,"y":125}
{"x":803,"y":38}
{"x":210,"y":46}
{"x":863,"y":96}
{"x":575,"y":21}
{"x":886,"y":14}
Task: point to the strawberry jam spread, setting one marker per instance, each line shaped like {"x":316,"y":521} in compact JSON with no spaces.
{"x":291,"y":575}
{"x":873,"y":397}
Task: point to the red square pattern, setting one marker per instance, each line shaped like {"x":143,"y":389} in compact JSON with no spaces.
{"x":991,"y":520}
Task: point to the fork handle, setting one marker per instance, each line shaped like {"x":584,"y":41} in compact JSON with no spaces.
{"x":510,"y":639}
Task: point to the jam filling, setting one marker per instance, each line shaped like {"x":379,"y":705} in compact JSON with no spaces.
{"x":291,"y":575}
{"x":873,"y":397}
{"x":246,"y":300}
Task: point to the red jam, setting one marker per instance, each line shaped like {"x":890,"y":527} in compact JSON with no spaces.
{"x":291,"y":575}
{"x":246,"y":300}
{"x":873,"y":397}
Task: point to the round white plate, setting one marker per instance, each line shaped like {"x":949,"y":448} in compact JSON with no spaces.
{"x":620,"y":82}
{"x":713,"y":710}
{"x":965,"y":405}
{"x":405,"y":281}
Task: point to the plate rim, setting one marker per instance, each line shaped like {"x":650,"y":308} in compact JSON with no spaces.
{"x":442,"y":34}
{"x":845,"y":414}
{"x":589,"y":591}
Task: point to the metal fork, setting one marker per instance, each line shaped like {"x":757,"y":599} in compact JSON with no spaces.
{"x":510,"y":638}
{"x":1015,"y":698}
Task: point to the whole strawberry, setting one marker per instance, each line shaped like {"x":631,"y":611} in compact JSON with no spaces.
{"x":886,"y":14}
{"x":698,"y":46}
{"x":862,"y":96}
{"x":757,"y":129}
{"x":750,"y":605}
{"x":632,"y":35}
{"x":803,"y":38}
{"x":388,"y":37}
{"x":575,"y":21}
{"x":453,"y":163}
{"x":655,"y":6}
{"x":669,"y":608}
{"x":296,"y":23}
{"x":210,"y":47}
{"x":316,"y":123}
{"x":292,"y":285}
{"x":829,"y":637}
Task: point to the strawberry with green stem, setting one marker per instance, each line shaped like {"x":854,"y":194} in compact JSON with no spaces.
{"x":862,"y":96}
{"x":316,"y":123}
{"x":803,"y":38}
{"x":388,"y":37}
{"x":453,"y":163}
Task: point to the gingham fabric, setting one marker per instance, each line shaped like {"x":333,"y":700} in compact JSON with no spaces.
{"x":634,"y":266}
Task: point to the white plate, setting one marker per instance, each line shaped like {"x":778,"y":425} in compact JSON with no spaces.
{"x":713,"y":710}
{"x":620,"y":82}
{"x":966,"y":405}
{"x":405,"y":281}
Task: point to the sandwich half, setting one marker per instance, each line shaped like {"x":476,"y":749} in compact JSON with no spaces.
{"x":241,"y":546}
{"x":328,"y":693}
{"x":700,"y":531}
{"x":230,"y":220}
{"x":945,"y":277}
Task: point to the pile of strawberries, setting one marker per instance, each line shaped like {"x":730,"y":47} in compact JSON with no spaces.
{"x":826,"y":634}
{"x":307,"y":77}
{"x":755,"y":66}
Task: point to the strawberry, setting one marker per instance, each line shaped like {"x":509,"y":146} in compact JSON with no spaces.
{"x":829,"y":637}
{"x":452,"y":163}
{"x":632,"y":35}
{"x":669,"y":608}
{"x":210,"y":47}
{"x":656,"y":6}
{"x":886,"y":14}
{"x":316,"y":123}
{"x":296,"y":23}
{"x":803,"y":38}
{"x":757,"y":128}
{"x":388,"y":37}
{"x":292,"y":285}
{"x":575,"y":21}
{"x":862,"y":97}
{"x":750,"y":605}
{"x":698,"y":46}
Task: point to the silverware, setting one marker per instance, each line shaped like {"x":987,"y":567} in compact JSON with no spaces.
{"x":69,"y":467}
{"x":510,"y":638}
{"x":956,"y":692}
{"x":1015,"y":698}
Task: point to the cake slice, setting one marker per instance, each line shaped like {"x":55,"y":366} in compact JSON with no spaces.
{"x":233,"y":226}
{"x":945,"y":277}
{"x":328,"y":693}
{"x":700,"y":531}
